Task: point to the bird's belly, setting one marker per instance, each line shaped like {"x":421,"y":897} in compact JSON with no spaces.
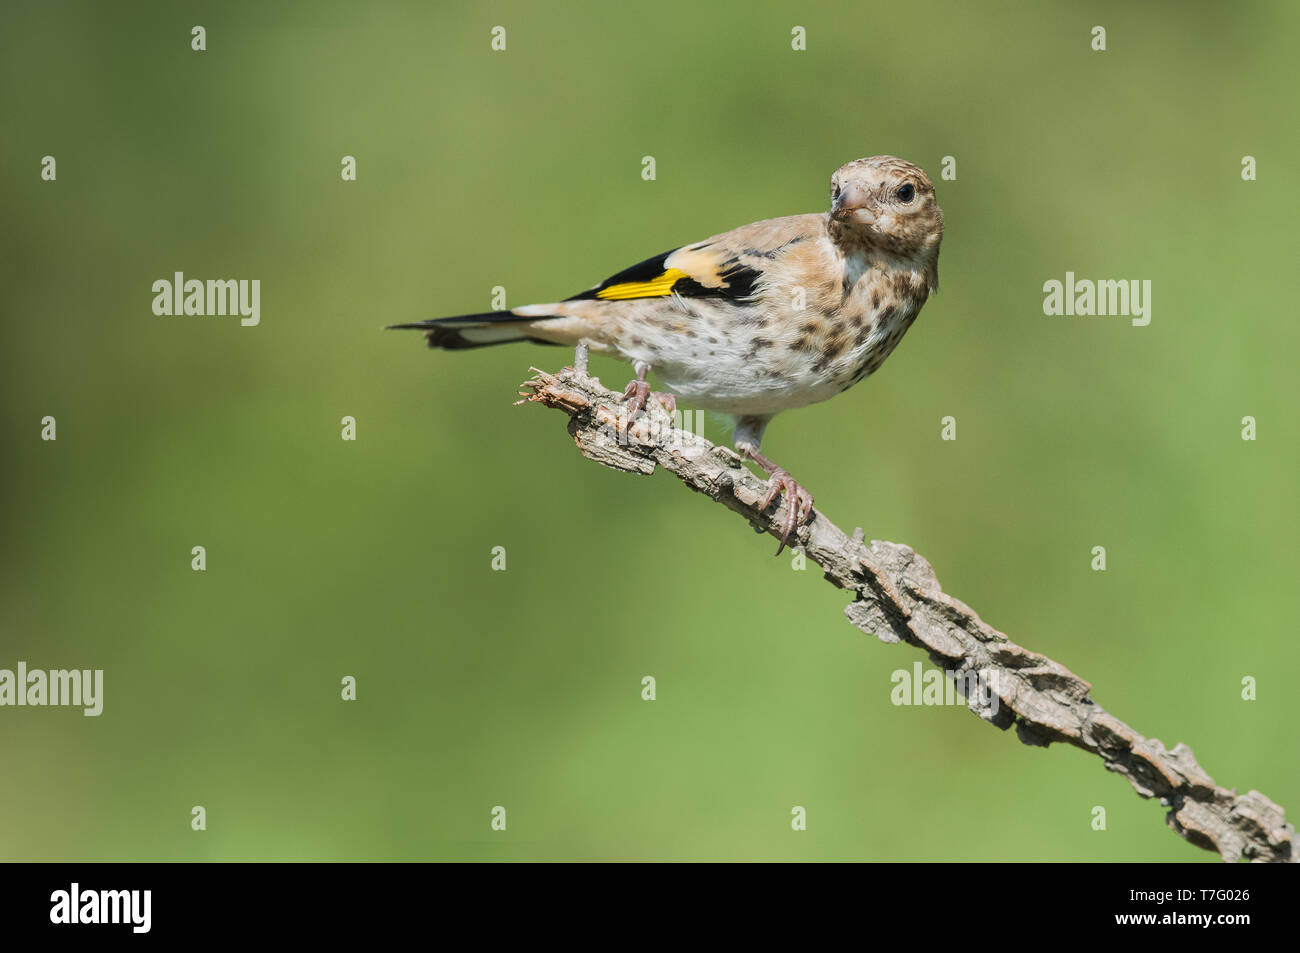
{"x":731,"y":367}
{"x":746,"y":367}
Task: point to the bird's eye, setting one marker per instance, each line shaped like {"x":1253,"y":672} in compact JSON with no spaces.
{"x":906,"y":192}
{"x":835,"y":190}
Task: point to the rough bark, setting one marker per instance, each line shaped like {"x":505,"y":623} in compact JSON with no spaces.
{"x":897,"y":598}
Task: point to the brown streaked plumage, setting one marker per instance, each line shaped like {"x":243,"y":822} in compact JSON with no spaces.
{"x":766,"y":317}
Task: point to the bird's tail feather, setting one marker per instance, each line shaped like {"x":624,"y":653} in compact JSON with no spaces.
{"x":473,"y":330}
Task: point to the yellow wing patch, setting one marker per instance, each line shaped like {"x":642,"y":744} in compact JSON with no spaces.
{"x":654,"y":288}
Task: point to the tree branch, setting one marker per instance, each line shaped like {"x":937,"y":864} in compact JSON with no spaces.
{"x":898,"y":599}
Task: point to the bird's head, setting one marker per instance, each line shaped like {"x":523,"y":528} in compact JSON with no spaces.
{"x":887,"y":202}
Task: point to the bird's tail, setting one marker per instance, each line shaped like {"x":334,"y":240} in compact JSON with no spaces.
{"x":474,"y":330}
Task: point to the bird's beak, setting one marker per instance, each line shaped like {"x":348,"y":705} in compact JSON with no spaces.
{"x":853,"y":204}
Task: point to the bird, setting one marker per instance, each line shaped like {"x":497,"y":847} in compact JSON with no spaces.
{"x":771,"y":316}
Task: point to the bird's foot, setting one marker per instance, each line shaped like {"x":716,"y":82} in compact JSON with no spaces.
{"x":635,"y":396}
{"x":638,"y":393}
{"x":799,"y":503}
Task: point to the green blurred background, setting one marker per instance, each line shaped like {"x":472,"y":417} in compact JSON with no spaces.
{"x":523,"y":169}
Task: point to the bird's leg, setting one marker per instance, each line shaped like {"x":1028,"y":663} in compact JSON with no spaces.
{"x":637,"y":390}
{"x":799,"y":502}
{"x":637,"y":393}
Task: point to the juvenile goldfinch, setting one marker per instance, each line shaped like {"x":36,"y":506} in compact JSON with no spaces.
{"x":766,"y":317}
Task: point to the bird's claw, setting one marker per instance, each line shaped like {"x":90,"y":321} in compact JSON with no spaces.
{"x":635,"y":396}
{"x":638,"y":393}
{"x":799,"y":503}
